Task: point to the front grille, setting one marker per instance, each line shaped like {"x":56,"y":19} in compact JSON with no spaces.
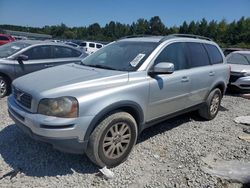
{"x":233,"y":78}
{"x":22,"y":98}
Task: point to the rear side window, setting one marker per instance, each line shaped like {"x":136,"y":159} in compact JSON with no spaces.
{"x":214,"y":54}
{"x":3,"y":38}
{"x":64,"y":52}
{"x":174,"y":53}
{"x":38,"y":52}
{"x":198,"y":55}
{"x":92,"y":45}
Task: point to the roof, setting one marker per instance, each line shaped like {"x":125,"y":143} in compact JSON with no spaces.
{"x":146,"y":38}
{"x":242,"y":52}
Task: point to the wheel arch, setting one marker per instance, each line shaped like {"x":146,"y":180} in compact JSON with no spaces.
{"x":130,"y":107}
{"x":6,"y":76}
{"x":221,"y":86}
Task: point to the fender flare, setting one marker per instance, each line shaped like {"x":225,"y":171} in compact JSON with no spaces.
{"x":111,"y":108}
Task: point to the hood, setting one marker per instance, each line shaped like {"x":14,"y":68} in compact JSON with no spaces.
{"x":239,"y":68}
{"x":68,"y":80}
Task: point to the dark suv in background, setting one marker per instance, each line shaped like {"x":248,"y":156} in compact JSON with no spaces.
{"x":23,"y":57}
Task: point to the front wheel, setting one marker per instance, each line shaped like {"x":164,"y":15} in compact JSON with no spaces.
{"x":112,"y":140}
{"x":4,"y":85}
{"x":212,"y":105}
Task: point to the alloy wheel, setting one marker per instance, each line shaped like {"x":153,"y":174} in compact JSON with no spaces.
{"x":215,"y":103}
{"x":3,"y":87}
{"x":116,"y":140}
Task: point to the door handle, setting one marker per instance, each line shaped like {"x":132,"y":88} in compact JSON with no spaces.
{"x":48,"y":65}
{"x":211,"y":73}
{"x":185,"y":79}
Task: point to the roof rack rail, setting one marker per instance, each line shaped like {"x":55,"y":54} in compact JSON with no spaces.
{"x":185,"y":35}
{"x":135,"y":36}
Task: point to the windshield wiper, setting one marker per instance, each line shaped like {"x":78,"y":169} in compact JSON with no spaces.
{"x":99,"y":66}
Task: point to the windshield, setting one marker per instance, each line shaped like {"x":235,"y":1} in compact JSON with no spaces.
{"x":238,"y":58}
{"x":12,"y":48}
{"x":122,"y":55}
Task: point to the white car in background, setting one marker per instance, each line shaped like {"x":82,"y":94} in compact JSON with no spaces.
{"x":240,"y":70}
{"x":91,"y":47}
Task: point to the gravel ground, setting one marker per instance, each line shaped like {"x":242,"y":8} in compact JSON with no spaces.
{"x":167,"y":155}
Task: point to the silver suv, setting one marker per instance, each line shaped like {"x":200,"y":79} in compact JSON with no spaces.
{"x":100,"y":106}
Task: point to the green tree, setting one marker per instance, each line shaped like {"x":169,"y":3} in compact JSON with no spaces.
{"x":156,"y":26}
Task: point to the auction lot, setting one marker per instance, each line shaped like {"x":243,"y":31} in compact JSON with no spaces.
{"x":169,"y":154}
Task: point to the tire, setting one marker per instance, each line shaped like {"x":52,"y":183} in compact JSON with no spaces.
{"x":211,"y":108}
{"x":4,"y":86}
{"x":112,"y":140}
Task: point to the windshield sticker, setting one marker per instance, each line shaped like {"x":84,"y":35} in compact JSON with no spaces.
{"x":136,"y":60}
{"x":15,"y":47}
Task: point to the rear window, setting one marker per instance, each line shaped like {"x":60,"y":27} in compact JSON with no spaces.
{"x":92,"y":45}
{"x":214,"y":54}
{"x":198,"y":55}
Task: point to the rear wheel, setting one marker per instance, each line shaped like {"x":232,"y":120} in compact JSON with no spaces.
{"x":112,"y":140}
{"x":4,"y":86}
{"x":211,"y":108}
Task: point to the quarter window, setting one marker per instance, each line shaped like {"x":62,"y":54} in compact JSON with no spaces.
{"x":39,"y":52}
{"x":198,"y":55}
{"x":214,"y":54}
{"x":174,"y":53}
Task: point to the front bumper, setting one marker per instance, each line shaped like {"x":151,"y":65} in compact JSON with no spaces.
{"x":242,"y":83}
{"x":65,"y":134}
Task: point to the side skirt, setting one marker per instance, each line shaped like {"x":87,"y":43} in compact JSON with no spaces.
{"x":164,"y":118}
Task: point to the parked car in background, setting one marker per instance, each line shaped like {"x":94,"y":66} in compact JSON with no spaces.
{"x":240,"y":70}
{"x":23,"y":57}
{"x":4,"y":39}
{"x":75,"y":46}
{"x":91,"y":47}
{"x":99,"y":107}
{"x":227,"y":51}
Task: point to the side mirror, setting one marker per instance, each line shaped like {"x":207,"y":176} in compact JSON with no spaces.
{"x":162,"y":68}
{"x":22,"y":57}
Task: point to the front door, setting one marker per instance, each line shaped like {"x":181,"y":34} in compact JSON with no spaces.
{"x":170,"y":93}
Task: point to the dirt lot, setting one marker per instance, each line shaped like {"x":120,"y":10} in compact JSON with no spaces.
{"x":167,"y":155}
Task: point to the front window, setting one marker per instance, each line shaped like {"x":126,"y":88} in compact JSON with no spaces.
{"x":12,"y":48}
{"x":121,"y":55}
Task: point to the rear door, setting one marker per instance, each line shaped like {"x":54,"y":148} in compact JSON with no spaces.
{"x":169,"y":93}
{"x":203,"y":72}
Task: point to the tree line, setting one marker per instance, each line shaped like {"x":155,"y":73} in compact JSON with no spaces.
{"x":234,"y":34}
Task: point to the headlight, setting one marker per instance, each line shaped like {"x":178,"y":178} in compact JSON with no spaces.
{"x":65,"y":107}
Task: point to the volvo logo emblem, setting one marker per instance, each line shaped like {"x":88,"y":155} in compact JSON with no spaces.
{"x":19,"y":95}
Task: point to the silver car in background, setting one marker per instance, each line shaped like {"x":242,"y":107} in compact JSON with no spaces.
{"x":101,"y":105}
{"x":239,"y":62}
{"x":26,"y":56}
